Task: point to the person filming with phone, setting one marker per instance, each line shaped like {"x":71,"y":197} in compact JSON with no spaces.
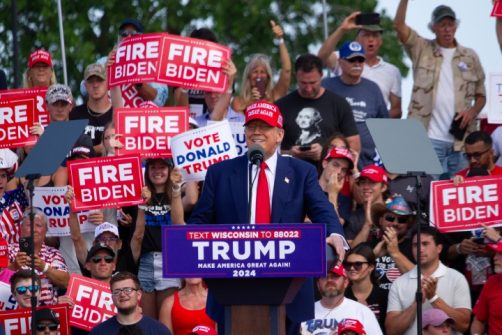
{"x":49,"y":263}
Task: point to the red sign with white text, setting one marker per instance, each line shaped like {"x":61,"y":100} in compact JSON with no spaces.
{"x":106,"y":182}
{"x":136,"y":60}
{"x":17,"y":116}
{"x":497,"y":9}
{"x":25,"y":93}
{"x":18,"y":321}
{"x":193,"y":63}
{"x":130,"y":96}
{"x":174,"y":60}
{"x":93,"y":302}
{"x":474,"y":202}
{"x":148,"y":132}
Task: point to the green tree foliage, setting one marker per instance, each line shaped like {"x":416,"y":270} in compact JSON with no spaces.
{"x":91,"y":27}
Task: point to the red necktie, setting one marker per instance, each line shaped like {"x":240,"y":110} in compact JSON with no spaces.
{"x":262,"y":197}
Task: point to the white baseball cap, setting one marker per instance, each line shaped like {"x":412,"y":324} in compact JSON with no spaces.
{"x":106,"y":227}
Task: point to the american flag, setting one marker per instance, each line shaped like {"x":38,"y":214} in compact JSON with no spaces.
{"x":9,"y":222}
{"x":393,"y":274}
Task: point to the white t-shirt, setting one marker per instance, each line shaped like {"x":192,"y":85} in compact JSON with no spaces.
{"x":443,"y":110}
{"x":386,"y":76}
{"x":327,"y":319}
{"x":452,"y":288}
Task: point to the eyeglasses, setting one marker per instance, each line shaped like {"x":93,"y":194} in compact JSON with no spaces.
{"x":356,"y":59}
{"x":24,"y":289}
{"x":97,"y":259}
{"x":126,"y":33}
{"x":42,"y":326}
{"x":126,"y":290}
{"x":107,"y":239}
{"x":356,"y":265}
{"x":475,"y":155}
{"x":400,"y":219}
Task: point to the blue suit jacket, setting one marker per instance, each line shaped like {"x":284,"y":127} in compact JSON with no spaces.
{"x":297,"y":193}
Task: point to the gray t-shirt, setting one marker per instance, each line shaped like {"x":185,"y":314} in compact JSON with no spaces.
{"x":367,"y":102}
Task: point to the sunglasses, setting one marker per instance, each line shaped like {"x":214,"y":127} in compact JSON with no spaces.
{"x":42,"y":326}
{"x":356,"y":59}
{"x":475,"y":155}
{"x":356,"y":265}
{"x":24,"y":289}
{"x":126,"y":33}
{"x":97,"y":259}
{"x":401,"y":219}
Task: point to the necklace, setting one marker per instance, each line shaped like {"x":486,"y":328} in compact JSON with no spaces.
{"x":94,"y":114}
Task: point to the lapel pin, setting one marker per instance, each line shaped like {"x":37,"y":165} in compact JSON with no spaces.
{"x":286,"y":179}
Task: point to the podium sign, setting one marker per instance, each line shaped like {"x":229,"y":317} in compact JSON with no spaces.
{"x":244,"y":251}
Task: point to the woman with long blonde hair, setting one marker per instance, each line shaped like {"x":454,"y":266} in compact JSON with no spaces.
{"x":257,"y":80}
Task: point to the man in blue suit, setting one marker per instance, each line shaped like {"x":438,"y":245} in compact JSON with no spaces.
{"x":295,"y":193}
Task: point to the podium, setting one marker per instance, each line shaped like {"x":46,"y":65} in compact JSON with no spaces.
{"x":252,"y":271}
{"x":255,"y":305}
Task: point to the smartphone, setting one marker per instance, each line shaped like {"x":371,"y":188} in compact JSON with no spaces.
{"x":455,"y":129}
{"x":364,"y":19}
{"x":479,"y":240}
{"x":305,"y":147}
{"x":25,"y":245}
{"x":261,"y":86}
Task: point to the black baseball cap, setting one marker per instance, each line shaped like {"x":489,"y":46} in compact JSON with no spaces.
{"x":133,"y":22}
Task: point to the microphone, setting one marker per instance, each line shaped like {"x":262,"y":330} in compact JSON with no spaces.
{"x":255,"y":154}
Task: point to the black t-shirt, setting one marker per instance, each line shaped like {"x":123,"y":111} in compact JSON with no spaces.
{"x":386,"y":268}
{"x":157,"y":214}
{"x":308,"y":121}
{"x":97,"y":122}
{"x":377,"y":302}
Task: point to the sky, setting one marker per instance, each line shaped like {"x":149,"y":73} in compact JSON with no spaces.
{"x":476,"y":31}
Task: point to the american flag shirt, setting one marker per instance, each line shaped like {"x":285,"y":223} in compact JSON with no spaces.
{"x":51,"y":256}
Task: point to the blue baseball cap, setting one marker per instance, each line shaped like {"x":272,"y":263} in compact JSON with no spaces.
{"x":352,"y":49}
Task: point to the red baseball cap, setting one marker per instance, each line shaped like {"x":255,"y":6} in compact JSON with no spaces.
{"x":204,"y":330}
{"x":340,"y":153}
{"x":339,"y":270}
{"x":265,"y":111}
{"x":375,"y":173}
{"x":39,"y":56}
{"x":351,"y":324}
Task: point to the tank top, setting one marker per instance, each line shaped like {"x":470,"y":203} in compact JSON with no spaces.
{"x":184,"y":320}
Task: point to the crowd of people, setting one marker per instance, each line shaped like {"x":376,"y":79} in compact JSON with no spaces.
{"x":315,"y":138}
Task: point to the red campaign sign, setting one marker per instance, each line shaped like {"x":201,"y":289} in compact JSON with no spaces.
{"x":106,"y":182}
{"x":148,"y":132}
{"x":93,"y":302}
{"x":173,"y":60}
{"x":193,"y":63}
{"x":17,"y":115}
{"x":467,"y":206}
{"x":25,"y":93}
{"x":497,"y":9}
{"x":18,"y":321}
{"x":130,"y":96}
{"x":136,"y":60}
